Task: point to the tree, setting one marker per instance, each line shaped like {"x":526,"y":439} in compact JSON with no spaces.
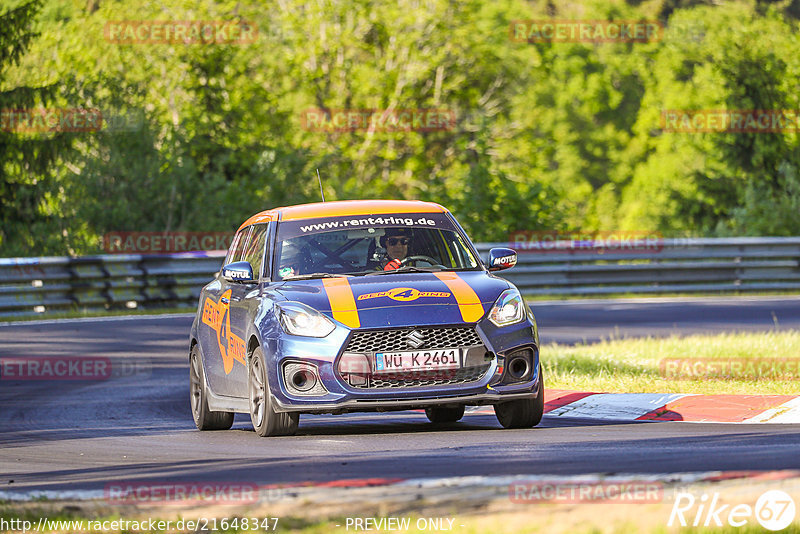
{"x":27,"y":160}
{"x":717,"y":182}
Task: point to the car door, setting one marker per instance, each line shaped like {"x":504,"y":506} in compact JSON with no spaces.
{"x":215,"y":326}
{"x":243,"y":305}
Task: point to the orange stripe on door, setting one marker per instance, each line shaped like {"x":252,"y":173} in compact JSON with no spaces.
{"x":468,"y":302}
{"x":343,"y":304}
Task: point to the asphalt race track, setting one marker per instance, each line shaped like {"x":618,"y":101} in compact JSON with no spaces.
{"x":69,"y":435}
{"x":590,"y":320}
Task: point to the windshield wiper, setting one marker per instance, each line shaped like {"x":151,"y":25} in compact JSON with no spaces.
{"x":315,"y":275}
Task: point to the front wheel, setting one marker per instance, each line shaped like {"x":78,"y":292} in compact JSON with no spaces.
{"x":204,"y":418}
{"x":523,"y":413}
{"x":439,"y":414}
{"x":266,"y":421}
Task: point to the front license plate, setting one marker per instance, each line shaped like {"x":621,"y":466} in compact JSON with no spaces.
{"x":417,"y":360}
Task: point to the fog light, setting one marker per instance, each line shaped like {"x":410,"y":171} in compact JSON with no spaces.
{"x":303,"y":379}
{"x":519,"y":366}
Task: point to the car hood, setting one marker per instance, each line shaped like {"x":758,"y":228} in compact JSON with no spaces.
{"x":403,"y":299}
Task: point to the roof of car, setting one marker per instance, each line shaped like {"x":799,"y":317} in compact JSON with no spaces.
{"x":341,"y":208}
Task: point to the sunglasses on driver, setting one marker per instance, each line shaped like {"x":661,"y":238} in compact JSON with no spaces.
{"x":393,"y":241}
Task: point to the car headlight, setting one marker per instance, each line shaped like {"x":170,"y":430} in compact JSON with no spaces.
{"x":301,"y":320}
{"x":508,"y":309}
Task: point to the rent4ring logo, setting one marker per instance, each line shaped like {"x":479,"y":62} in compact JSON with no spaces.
{"x":774,"y":510}
{"x":404,"y":294}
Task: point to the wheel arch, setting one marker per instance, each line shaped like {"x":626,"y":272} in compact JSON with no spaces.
{"x":192,"y":342}
{"x":252,"y":344}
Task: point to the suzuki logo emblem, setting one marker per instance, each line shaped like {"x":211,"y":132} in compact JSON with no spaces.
{"x":415,"y":339}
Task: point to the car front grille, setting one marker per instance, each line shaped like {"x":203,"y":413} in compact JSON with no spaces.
{"x":370,"y":341}
{"x":465,"y":375}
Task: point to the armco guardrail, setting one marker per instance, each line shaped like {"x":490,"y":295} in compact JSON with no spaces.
{"x":682,"y":265}
{"x":31,"y":286}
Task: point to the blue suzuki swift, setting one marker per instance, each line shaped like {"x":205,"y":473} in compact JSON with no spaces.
{"x":357,"y":306}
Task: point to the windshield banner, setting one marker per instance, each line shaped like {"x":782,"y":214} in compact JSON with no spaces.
{"x":291,"y":229}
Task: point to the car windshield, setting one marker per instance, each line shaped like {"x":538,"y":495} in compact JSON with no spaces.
{"x":365,"y":245}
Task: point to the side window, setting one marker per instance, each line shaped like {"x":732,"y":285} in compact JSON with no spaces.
{"x":270,"y":233}
{"x":254,"y":252}
{"x":239,"y":240}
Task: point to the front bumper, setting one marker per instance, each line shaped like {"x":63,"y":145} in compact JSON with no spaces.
{"x":386,"y":405}
{"x":341,"y":397}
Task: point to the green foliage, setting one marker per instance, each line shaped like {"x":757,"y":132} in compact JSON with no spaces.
{"x":547,"y":136}
{"x":27,"y":162}
{"x":717,"y":182}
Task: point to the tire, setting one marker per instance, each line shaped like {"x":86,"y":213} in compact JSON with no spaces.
{"x":440,"y":414}
{"x":523,"y":413}
{"x":266,"y":421}
{"x":204,"y":418}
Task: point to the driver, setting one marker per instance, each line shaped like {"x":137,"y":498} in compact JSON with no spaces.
{"x":396,"y":241}
{"x":291,"y":258}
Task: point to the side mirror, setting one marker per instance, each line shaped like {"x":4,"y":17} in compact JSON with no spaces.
{"x":502,"y":258}
{"x":238,"y":271}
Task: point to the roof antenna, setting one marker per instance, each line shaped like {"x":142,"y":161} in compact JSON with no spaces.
{"x":320,"y":186}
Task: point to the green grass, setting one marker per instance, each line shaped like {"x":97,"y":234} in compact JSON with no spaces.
{"x":632,"y":365}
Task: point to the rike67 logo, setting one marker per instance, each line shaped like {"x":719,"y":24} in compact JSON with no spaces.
{"x":774,"y":510}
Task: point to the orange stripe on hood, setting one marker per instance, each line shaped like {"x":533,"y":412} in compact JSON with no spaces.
{"x":343,"y":304}
{"x":468,"y":301}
